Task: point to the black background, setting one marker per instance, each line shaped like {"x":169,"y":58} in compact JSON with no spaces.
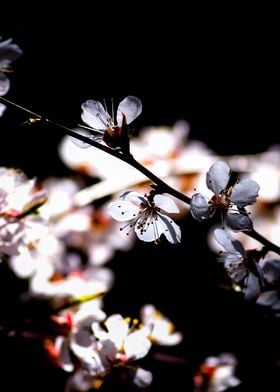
{"x":217,"y":69}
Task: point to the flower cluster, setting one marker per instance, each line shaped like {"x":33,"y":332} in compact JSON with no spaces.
{"x":59,"y":236}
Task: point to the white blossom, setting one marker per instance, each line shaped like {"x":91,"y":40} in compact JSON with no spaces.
{"x":147,"y":216}
{"x":19,"y":199}
{"x":216,"y":374}
{"x":237,"y":266}
{"x":97,"y":116}
{"x":162,"y":329}
{"x":228,"y":199}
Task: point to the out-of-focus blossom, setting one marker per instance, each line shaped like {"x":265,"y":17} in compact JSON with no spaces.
{"x":123,"y":342}
{"x":37,"y":255}
{"x":116,"y":346}
{"x":98,"y":118}
{"x":77,"y":339}
{"x":146,"y":216}
{"x":89,"y":229}
{"x":225,"y":198}
{"x":163,"y":150}
{"x":162,"y":329}
{"x":19,"y":201}
{"x":216,"y":374}
{"x":241,"y":267}
{"x":264,"y":169}
{"x":129,"y":341}
{"x":8,"y":53}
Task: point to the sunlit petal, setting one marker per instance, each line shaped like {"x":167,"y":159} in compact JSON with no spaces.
{"x":229,"y":243}
{"x":217,"y":177}
{"x":199,"y":207}
{"x":166,"y":203}
{"x":131,"y":107}
{"x":94,"y":114}
{"x":238,"y":221}
{"x":142,"y":378}
{"x":4,"y":84}
{"x":245,"y":192}
{"x":123,"y":210}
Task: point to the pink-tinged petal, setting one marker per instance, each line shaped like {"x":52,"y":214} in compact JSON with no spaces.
{"x":245,"y":192}
{"x":123,"y":210}
{"x":142,"y":378}
{"x":137,"y":344}
{"x":199,"y":207}
{"x":166,"y":203}
{"x":94,"y":115}
{"x":228,"y":242}
{"x":238,"y":222}
{"x":217,"y":177}
{"x":131,"y":107}
{"x":4,"y":84}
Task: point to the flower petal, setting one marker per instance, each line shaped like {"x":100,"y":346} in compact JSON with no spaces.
{"x":150,"y":231}
{"x":2,"y":109}
{"x":78,"y":142}
{"x":123,"y":210}
{"x":228,"y":242}
{"x":245,"y":192}
{"x":62,"y":344}
{"x":217,"y":177}
{"x":131,"y":107}
{"x":80,"y":380}
{"x":134,"y":197}
{"x":4,"y":84}
{"x":156,"y":226}
{"x":137,"y":344}
{"x":235,"y":266}
{"x":169,"y":228}
{"x":271,"y":270}
{"x":8,"y":52}
{"x":238,"y":222}
{"x":117,"y":329}
{"x":199,"y":207}
{"x":142,"y":378}
{"x":166,"y":203}
{"x":94,"y":114}
{"x":252,"y":288}
{"x":269,"y":298}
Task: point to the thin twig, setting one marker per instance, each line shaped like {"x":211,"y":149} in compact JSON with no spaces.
{"x":129,"y":159}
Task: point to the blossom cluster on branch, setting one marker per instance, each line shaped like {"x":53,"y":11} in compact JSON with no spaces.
{"x":55,"y":237}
